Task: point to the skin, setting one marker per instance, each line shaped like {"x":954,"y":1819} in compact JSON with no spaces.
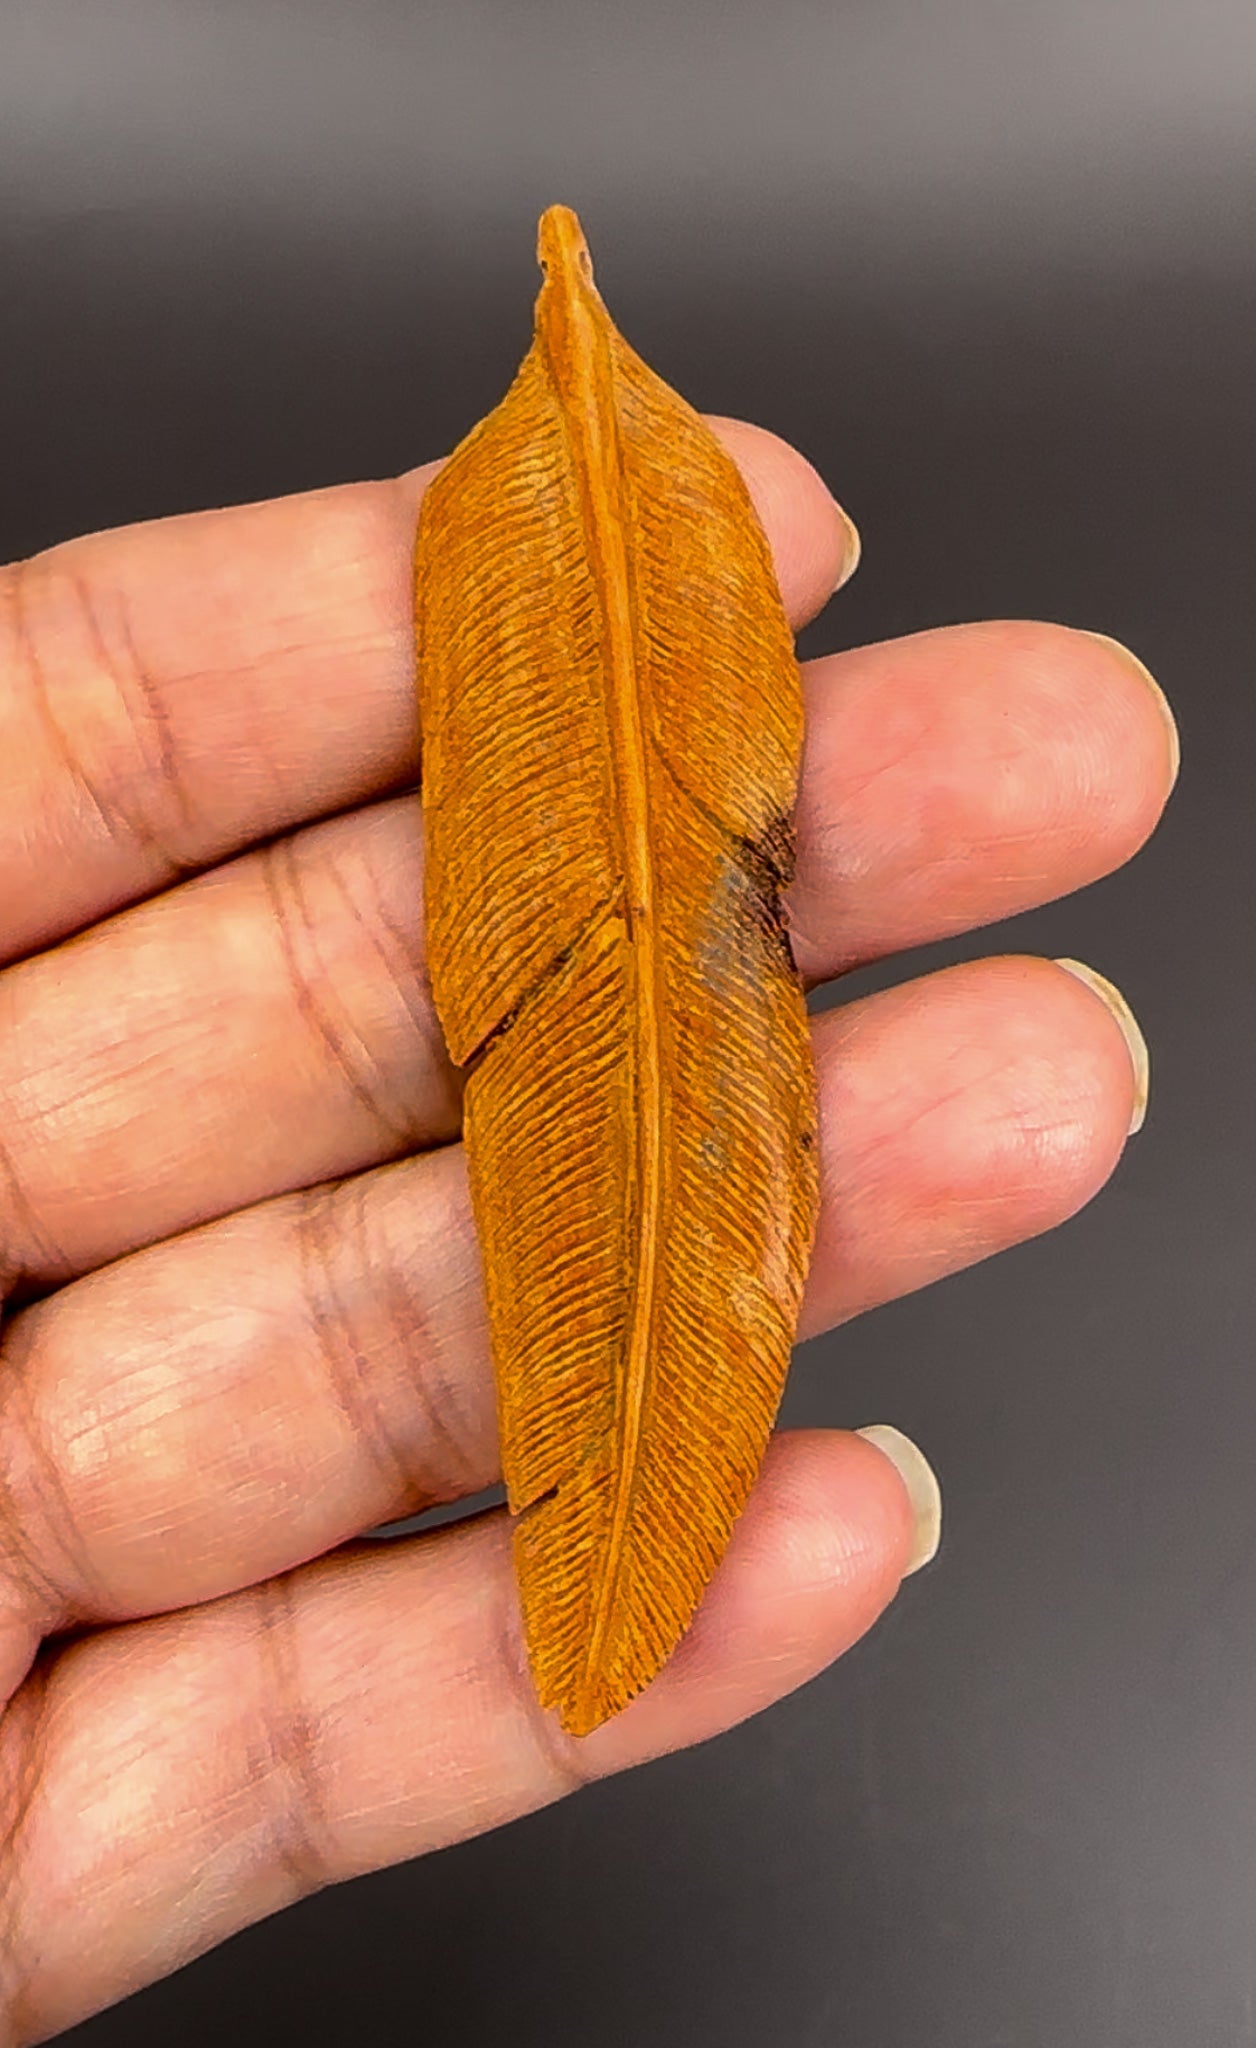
{"x":245,"y":1314}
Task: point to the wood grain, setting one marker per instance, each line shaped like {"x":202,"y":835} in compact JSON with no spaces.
{"x":612,"y":722}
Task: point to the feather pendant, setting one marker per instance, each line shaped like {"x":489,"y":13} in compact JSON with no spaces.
{"x":612,"y":721}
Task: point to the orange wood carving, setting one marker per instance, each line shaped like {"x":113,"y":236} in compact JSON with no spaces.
{"x":612,"y":723}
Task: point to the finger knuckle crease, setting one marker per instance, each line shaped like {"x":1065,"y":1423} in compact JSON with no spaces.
{"x":402,"y":957}
{"x":27,"y":1248}
{"x":421,"y":1457}
{"x":298,"y":1838}
{"x":21,"y":1771}
{"x":135,"y":788}
{"x":42,"y":1545}
{"x":343,"y":1046}
{"x":332,"y":1320}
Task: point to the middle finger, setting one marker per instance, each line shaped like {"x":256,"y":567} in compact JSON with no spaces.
{"x":269,"y":1026}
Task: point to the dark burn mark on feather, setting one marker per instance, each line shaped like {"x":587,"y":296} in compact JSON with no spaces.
{"x":771,"y":858}
{"x":768,"y":864}
{"x":745,"y":903}
{"x":746,"y":898}
{"x":771,"y":854}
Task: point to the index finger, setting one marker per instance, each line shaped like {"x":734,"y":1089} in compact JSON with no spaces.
{"x":174,"y":691}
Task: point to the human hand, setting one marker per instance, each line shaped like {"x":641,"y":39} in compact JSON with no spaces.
{"x":232,"y":1203}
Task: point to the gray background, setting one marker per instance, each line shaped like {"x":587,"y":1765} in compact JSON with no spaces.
{"x":993,"y":267}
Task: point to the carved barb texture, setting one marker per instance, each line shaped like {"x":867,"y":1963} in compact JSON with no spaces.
{"x":612,"y":722}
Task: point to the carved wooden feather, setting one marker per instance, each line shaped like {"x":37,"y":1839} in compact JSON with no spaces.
{"x":612,"y":722}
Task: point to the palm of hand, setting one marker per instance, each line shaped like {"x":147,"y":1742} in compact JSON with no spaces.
{"x":246,"y":1323}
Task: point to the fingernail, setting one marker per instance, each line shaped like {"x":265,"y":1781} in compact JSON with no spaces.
{"x":923,"y":1491}
{"x":852,"y":545}
{"x":1162,"y":702}
{"x":1139,"y":1056}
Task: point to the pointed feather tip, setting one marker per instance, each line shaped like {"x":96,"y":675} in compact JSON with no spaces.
{"x":583,"y":1707}
{"x":582,"y":1712}
{"x":561,"y":249}
{"x":597,"y":1696}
